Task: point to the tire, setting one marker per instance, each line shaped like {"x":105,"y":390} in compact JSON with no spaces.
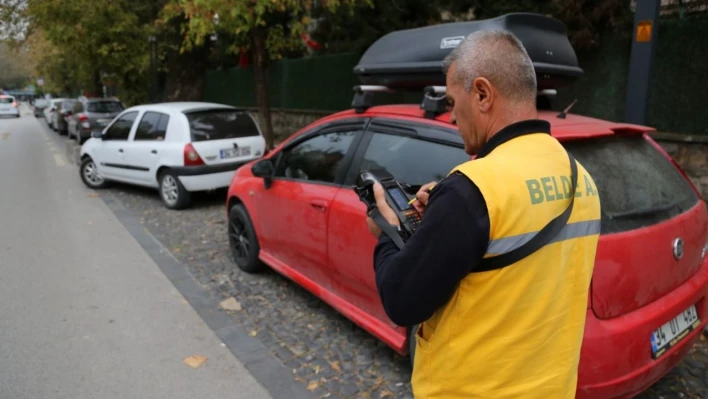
{"x":411,"y":343}
{"x":90,"y":177}
{"x":172,"y":192}
{"x":243,"y":241}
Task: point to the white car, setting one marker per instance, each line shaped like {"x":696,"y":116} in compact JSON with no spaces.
{"x":9,"y":106}
{"x":49,"y":111}
{"x":178,"y":148}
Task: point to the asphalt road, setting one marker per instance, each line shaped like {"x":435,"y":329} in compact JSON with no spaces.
{"x":84,"y":311}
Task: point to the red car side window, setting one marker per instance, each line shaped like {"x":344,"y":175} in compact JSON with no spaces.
{"x":316,"y":159}
{"x":402,"y":157}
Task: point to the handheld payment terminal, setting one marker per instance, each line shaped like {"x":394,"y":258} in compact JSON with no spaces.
{"x":396,"y":197}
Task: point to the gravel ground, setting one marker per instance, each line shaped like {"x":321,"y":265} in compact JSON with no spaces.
{"x":327,"y":353}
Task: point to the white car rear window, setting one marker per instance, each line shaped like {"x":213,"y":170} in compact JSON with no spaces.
{"x":220,"y":124}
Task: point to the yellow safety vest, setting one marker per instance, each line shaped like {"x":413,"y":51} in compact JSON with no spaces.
{"x":516,"y":332}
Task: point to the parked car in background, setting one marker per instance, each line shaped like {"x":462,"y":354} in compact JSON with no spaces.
{"x":178,"y":148}
{"x":92,"y":115}
{"x":38,"y":106}
{"x":49,"y":111}
{"x":9,"y":106}
{"x":61,"y":115}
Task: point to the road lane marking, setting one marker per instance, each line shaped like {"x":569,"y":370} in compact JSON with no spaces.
{"x":59,"y":160}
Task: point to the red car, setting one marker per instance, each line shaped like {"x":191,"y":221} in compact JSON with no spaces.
{"x":295,"y":210}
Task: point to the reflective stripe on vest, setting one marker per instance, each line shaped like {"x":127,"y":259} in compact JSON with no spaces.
{"x":571,"y":230}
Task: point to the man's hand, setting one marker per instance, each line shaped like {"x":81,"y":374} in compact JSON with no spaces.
{"x":385,"y":210}
{"x":422,"y":197}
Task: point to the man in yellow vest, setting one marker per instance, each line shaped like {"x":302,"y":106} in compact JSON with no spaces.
{"x":498,"y":272}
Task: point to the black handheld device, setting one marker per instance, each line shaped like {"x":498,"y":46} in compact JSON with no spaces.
{"x":396,"y":197}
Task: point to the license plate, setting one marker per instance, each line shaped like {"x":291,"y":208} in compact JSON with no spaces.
{"x":235,"y":152}
{"x":671,"y":333}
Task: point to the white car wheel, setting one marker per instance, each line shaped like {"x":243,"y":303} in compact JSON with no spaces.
{"x":172,"y":192}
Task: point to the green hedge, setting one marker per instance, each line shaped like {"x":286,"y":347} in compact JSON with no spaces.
{"x":315,"y":83}
{"x":679,"y":85}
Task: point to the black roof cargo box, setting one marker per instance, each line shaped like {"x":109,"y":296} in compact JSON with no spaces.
{"x":412,"y":58}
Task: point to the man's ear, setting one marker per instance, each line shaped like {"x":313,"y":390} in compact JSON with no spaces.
{"x":484,"y":93}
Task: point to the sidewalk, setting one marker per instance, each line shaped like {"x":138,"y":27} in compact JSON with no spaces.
{"x":85,"y":311}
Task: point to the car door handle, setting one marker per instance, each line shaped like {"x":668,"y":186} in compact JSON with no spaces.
{"x":153,"y":152}
{"x":319,"y":204}
{"x":120,"y":150}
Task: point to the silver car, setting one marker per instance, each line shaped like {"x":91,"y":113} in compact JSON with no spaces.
{"x":9,"y":106}
{"x":92,"y":114}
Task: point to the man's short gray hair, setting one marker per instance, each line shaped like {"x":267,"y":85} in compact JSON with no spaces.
{"x":500,"y":57}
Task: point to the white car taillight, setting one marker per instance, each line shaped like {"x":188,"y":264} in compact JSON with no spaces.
{"x":191,"y":157}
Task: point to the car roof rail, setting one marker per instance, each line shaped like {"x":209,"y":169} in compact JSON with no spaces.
{"x":434,"y":101}
{"x":364,"y":96}
{"x":434,"y":98}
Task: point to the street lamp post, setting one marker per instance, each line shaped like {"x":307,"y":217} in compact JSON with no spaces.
{"x":644,"y":40}
{"x":153,"y":68}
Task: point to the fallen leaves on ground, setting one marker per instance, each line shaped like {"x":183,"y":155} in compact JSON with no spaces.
{"x":335,"y":366}
{"x":230,"y":304}
{"x":195,"y":361}
{"x":94,"y":195}
{"x":312,"y":385}
{"x":253,"y":333}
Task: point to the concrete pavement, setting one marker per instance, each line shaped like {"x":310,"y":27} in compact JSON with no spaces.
{"x":84,"y":311}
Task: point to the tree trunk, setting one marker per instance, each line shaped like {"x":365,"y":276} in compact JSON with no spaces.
{"x":260,"y":58}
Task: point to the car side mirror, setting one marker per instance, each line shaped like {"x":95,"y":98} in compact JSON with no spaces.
{"x":97,"y":134}
{"x":265,"y":169}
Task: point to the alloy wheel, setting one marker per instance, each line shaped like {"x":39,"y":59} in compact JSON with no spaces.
{"x":170,"y":191}
{"x":91,"y":174}
{"x":238,"y":237}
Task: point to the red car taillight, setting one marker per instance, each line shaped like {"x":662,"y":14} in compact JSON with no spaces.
{"x":84,"y":122}
{"x":14,"y":104}
{"x":191,"y":157}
